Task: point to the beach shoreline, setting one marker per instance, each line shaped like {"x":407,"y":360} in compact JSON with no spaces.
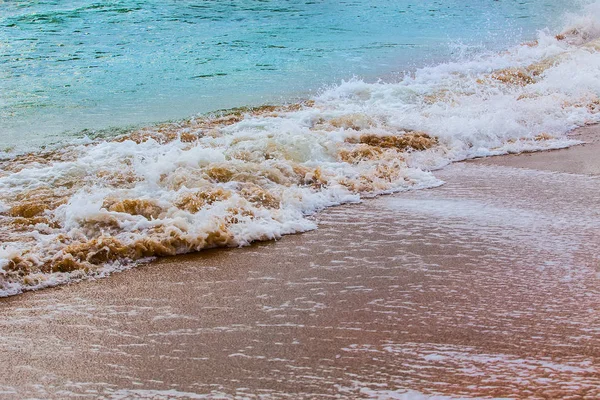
{"x":579,"y":159}
{"x":486,"y":286}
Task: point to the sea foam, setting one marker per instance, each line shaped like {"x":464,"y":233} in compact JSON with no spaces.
{"x":93,"y":207}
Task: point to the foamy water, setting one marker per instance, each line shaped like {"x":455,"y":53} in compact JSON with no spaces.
{"x":93,"y":207}
{"x":72,"y":65}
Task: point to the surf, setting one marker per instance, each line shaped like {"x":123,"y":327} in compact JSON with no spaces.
{"x":95,"y":206}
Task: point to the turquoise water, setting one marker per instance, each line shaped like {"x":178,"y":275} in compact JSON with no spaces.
{"x":66,"y":66}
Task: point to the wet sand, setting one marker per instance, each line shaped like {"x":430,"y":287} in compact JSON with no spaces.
{"x":581,"y":159}
{"x":488,"y":286}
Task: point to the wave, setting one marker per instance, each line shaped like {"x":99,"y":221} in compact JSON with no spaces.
{"x":96,"y":206}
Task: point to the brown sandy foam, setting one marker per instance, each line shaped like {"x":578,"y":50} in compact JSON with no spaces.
{"x":487,"y":286}
{"x":258,"y":180}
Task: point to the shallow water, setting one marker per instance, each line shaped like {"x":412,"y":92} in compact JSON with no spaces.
{"x":485,"y":287}
{"x":93,"y":206}
{"x":80,"y":64}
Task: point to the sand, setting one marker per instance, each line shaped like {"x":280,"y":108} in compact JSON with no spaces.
{"x":486,"y":286}
{"x":583,"y":159}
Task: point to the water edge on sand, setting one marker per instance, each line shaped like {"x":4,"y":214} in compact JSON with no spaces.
{"x":484,"y":287}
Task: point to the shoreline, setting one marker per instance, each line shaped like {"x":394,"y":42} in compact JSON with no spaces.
{"x":231,"y":180}
{"x":578,"y":159}
{"x":482,"y":287}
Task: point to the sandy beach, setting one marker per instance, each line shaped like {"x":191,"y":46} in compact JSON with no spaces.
{"x":487,"y":286}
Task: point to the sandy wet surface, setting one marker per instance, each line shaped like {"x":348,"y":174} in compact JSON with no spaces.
{"x":580,"y":160}
{"x":487,"y":286}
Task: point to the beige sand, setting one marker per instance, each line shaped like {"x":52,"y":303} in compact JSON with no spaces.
{"x":486,"y":286}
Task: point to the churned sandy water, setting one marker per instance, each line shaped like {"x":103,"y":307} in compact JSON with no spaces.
{"x":485,"y":287}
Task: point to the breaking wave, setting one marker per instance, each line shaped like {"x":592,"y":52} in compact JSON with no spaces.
{"x":96,"y":206}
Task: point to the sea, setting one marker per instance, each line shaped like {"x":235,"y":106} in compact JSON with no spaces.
{"x":131,"y":130}
{"x":75,"y":65}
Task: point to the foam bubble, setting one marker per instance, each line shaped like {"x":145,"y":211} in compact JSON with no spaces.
{"x":93,"y":207}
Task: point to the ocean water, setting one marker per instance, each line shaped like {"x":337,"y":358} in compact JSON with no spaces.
{"x":72,"y":65}
{"x":458,"y":81}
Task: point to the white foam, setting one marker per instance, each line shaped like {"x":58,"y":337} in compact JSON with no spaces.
{"x":463,"y":104}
